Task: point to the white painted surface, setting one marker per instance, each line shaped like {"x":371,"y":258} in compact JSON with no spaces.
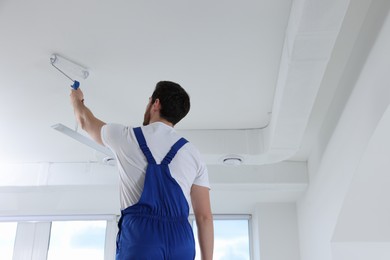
{"x":225,"y":53}
{"x":360,"y":251}
{"x":365,"y":215}
{"x":336,"y":162}
{"x":32,"y":240}
{"x":277,"y":232}
{"x":251,"y":67}
{"x":80,"y":188}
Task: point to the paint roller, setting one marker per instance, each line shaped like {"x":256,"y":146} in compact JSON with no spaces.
{"x":62,"y":64}
{"x":77,"y":71}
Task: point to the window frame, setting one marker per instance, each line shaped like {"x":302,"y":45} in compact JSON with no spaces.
{"x":16,"y":231}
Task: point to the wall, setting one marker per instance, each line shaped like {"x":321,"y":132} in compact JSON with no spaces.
{"x":363,"y":227}
{"x":335,"y":160}
{"x":276,"y":232}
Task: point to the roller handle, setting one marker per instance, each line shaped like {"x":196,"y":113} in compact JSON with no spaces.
{"x":75,"y":85}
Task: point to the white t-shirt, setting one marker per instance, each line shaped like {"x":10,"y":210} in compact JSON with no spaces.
{"x":186,"y":168}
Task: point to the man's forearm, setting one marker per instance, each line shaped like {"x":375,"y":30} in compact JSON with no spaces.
{"x":206,"y":237}
{"x":82,"y":113}
{"x":87,"y":120}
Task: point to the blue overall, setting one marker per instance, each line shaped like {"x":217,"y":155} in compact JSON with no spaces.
{"x":157,"y":226}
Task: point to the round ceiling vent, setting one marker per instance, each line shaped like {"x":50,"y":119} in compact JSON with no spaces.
{"x":109,"y":161}
{"x":232,"y":160}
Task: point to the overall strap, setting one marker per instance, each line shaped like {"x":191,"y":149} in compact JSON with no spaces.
{"x":168,"y":158}
{"x":142,"y":144}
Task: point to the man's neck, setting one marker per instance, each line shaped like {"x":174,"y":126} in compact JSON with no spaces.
{"x":161,"y":120}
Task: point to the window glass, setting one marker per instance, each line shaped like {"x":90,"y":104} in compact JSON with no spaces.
{"x":231,"y":239}
{"x":7,"y":239}
{"x":77,"y":240}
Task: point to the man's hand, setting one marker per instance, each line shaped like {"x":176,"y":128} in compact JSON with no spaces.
{"x":76,"y":95}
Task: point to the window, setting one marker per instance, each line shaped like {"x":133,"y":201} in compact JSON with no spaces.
{"x":77,"y":240}
{"x":231,"y":238}
{"x":7,"y":239}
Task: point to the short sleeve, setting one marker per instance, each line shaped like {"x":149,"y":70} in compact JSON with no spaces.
{"x":202,"y":178}
{"x":112,"y":135}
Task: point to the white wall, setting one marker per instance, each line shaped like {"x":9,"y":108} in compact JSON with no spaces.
{"x":333,"y":167}
{"x":361,"y":251}
{"x":366,"y":208}
{"x":275,"y":232}
{"x":363,"y":227}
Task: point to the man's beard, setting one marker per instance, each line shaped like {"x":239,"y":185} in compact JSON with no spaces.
{"x":146,"y":119}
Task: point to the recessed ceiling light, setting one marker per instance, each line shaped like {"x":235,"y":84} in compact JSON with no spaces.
{"x":109,"y":161}
{"x":232,"y":160}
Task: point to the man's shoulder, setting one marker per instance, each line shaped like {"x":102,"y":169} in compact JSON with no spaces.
{"x":118,"y":126}
{"x":115,"y":130}
{"x":190,"y":148}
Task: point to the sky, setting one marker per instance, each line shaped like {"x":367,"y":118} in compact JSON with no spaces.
{"x":231,"y":240}
{"x":77,"y":240}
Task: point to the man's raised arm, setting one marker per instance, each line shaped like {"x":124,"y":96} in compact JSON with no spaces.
{"x":85,"y":118}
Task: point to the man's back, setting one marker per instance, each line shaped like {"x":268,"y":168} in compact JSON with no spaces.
{"x":186,"y":169}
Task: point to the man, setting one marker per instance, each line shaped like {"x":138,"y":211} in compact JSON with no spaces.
{"x":160,"y":175}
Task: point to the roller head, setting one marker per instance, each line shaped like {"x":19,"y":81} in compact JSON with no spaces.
{"x":68,"y":67}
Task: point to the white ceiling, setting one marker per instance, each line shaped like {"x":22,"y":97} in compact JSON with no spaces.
{"x":268,"y":79}
{"x":253,"y":69}
{"x":225,"y":53}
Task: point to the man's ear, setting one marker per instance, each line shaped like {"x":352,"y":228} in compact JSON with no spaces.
{"x":156,"y":105}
